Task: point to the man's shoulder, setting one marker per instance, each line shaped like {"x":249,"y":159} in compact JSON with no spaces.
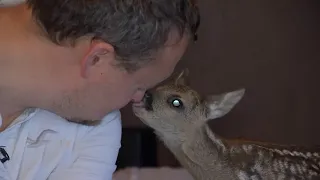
{"x":70,"y":147}
{"x":45,"y":116}
{"x":43,"y":120}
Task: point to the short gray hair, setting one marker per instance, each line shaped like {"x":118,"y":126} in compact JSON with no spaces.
{"x":135,"y":28}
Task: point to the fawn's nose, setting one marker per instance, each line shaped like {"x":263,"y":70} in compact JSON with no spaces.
{"x":148,"y":100}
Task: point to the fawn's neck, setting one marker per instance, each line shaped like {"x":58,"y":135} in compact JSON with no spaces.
{"x":201,"y":137}
{"x":204,"y":148}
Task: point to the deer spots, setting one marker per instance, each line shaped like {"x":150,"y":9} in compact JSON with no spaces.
{"x":285,"y":152}
{"x":308,"y":154}
{"x":313,"y":173}
{"x":293,"y":169}
{"x":278,"y":151}
{"x":289,"y":163}
{"x":284,"y":166}
{"x":301,"y":169}
{"x":275,"y":166}
{"x":242,"y":175}
{"x":235,"y":150}
{"x":280,"y":166}
{"x":247,"y":148}
{"x":253,"y":173}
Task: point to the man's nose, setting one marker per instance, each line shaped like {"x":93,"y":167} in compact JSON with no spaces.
{"x":138,"y":96}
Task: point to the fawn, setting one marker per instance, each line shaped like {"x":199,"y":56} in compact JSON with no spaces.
{"x":179,"y":116}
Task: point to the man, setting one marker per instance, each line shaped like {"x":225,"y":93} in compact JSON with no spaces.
{"x":68,"y":66}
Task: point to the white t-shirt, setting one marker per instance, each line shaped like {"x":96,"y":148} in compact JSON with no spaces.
{"x":10,"y":3}
{"x":44,"y":146}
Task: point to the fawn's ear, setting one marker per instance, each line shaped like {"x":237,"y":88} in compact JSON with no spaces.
{"x":182,"y":78}
{"x":219,"y":105}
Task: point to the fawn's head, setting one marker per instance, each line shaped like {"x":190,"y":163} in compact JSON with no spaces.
{"x":175,"y":108}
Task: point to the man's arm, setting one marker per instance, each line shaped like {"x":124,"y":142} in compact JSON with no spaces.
{"x":96,"y":151}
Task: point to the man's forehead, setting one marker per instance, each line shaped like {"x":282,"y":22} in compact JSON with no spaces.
{"x":163,"y":65}
{"x":152,"y":75}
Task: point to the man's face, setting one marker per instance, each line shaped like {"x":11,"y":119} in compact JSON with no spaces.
{"x":106,"y":87}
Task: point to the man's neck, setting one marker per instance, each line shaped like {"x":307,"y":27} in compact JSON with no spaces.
{"x":12,"y":103}
{"x":8,"y":119}
{"x":17,"y":19}
{"x":10,"y":106}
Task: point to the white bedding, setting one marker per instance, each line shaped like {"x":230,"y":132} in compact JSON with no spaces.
{"x":162,"y":173}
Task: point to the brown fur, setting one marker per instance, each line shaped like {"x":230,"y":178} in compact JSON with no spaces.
{"x":208,"y":156}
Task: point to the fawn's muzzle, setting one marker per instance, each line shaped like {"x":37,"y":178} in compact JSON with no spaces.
{"x":148,"y":99}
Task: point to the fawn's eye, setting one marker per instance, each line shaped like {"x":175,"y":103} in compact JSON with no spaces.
{"x":177,"y":103}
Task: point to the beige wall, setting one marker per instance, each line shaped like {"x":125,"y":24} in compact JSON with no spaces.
{"x":272,"y":49}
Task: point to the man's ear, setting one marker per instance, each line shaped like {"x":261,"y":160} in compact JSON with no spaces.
{"x":182,"y":78}
{"x":219,"y":105}
{"x":95,"y":56}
